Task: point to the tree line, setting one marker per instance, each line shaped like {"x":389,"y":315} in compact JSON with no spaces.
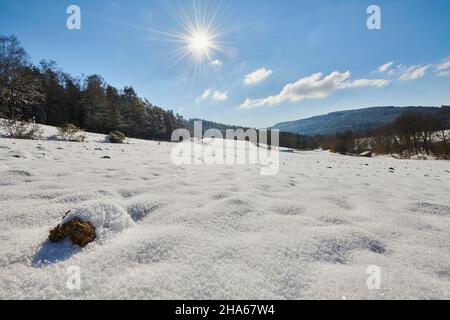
{"x":286,"y":139}
{"x":50,"y":96}
{"x":411,"y":134}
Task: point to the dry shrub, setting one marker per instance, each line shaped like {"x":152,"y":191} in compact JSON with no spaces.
{"x":14,"y":128}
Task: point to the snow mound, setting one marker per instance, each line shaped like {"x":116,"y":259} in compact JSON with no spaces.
{"x":107,"y":218}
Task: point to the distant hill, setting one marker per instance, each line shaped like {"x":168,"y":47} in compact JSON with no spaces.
{"x":360,"y":119}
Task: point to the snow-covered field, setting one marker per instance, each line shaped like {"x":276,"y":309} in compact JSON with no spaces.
{"x":221,"y":232}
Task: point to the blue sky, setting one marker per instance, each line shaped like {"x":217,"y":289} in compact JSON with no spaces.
{"x":300,"y":58}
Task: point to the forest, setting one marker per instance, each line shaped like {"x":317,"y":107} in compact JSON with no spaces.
{"x":47,"y":95}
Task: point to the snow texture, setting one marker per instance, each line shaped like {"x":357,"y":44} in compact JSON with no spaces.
{"x":220,"y":231}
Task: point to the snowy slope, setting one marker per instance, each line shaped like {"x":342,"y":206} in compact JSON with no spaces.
{"x":202,"y":232}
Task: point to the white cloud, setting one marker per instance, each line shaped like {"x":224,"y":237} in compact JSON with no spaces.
{"x":385,"y":67}
{"x":257,"y":76}
{"x":316,"y":86}
{"x":215,"y":96}
{"x":366,"y":83}
{"x":404,"y":73}
{"x":443,"y":69}
{"x":444,"y":65}
{"x":445,"y":73}
{"x":216,"y":63}
{"x":204,"y":95}
{"x":220,"y":96}
{"x":413,"y":72}
{"x":313,"y":87}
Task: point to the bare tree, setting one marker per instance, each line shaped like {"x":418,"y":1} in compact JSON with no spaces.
{"x":19,"y":86}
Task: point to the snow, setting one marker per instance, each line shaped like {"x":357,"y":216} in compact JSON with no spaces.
{"x":107,"y":217}
{"x":220,"y":231}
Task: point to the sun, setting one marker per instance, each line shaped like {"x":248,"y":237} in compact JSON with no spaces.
{"x":200,"y":43}
{"x":200,"y":36}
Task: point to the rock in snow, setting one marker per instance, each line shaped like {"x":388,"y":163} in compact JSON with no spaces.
{"x":80,"y":232}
